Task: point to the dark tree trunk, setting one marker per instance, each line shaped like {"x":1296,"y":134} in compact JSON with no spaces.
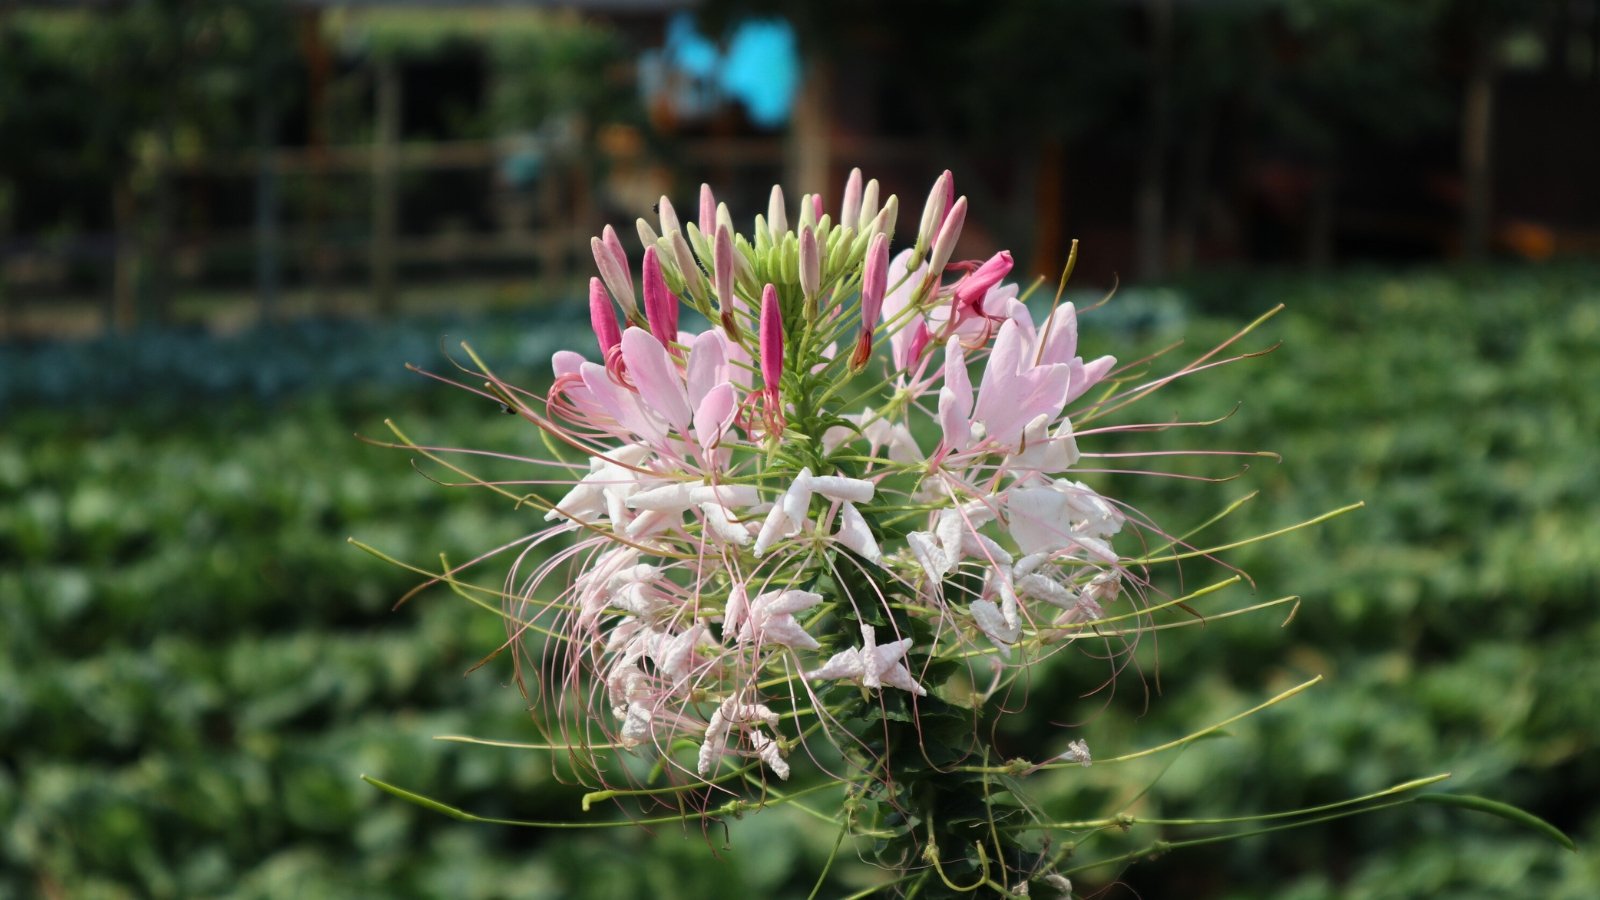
{"x":1150,"y":207}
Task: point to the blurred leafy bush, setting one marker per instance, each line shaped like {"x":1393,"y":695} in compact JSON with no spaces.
{"x":196,"y":666}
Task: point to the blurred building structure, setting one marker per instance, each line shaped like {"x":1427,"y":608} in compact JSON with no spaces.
{"x":340,"y":153}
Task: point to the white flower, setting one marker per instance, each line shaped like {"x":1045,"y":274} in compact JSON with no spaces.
{"x":769,"y":618}
{"x":611,"y":480}
{"x":736,"y":713}
{"x":871,"y":665}
{"x":789,"y":515}
{"x":1078,"y":752}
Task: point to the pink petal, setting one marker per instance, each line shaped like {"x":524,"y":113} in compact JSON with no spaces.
{"x":620,"y":404}
{"x":708,"y":366}
{"x":656,"y":377}
{"x":714,"y":415}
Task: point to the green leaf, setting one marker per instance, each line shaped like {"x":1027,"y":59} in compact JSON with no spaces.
{"x":1504,"y":811}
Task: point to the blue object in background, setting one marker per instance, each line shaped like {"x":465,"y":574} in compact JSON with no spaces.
{"x":761,"y":68}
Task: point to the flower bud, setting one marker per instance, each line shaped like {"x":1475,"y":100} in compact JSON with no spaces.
{"x":883,"y":223}
{"x":810,"y":263}
{"x":708,"y":210}
{"x":612,"y":262}
{"x":771,"y":345}
{"x":808,"y":211}
{"x":850,"y":209}
{"x":647,"y":234}
{"x":669,"y":216}
{"x":603,"y":316}
{"x":869,"y":205}
{"x":945,"y":243}
{"x":660,"y":306}
{"x":777,"y":217}
{"x":874,"y":283}
{"x":934,"y":211}
{"x":722,"y":274}
{"x":694,"y":282}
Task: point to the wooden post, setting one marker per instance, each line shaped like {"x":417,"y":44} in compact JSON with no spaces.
{"x":1047,"y":210}
{"x":385,"y":187}
{"x":267,"y":207}
{"x":808,"y":145}
{"x":1150,"y":207}
{"x":319,"y":71}
{"x":1477,"y":120}
{"x":122,"y":310}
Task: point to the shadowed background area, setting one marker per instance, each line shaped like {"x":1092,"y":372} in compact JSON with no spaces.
{"x":225,"y":227}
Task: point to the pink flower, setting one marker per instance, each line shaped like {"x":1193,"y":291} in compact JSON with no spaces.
{"x":971,"y":290}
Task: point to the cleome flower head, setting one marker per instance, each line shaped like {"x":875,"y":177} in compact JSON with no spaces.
{"x":805,"y":471}
{"x":809,"y":503}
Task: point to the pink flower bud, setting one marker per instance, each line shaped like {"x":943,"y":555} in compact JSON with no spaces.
{"x":771,"y":343}
{"x":970,"y":290}
{"x":612,"y":262}
{"x":660,"y":305}
{"x":935,"y":210}
{"x":810,"y":263}
{"x":874,"y":283}
{"x":603,"y":316}
{"x":708,"y":210}
{"x":816,"y":207}
{"x":945,"y":243}
{"x":777,"y":218}
{"x":722,"y":273}
{"x":850,"y":209}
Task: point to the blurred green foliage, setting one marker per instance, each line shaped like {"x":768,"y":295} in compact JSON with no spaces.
{"x":197,"y":667}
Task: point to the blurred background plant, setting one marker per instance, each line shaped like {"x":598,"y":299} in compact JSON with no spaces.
{"x":224,"y":226}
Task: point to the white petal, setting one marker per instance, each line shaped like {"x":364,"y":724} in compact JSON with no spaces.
{"x":776,"y":527}
{"x":673,"y":497}
{"x":1038,"y":519}
{"x":928,"y":552}
{"x":846,"y":664}
{"x":727,"y":495}
{"x":855,"y":536}
{"x":738,"y":608}
{"x":836,"y":487}
{"x":717,"y":522}
{"x":992,"y":623}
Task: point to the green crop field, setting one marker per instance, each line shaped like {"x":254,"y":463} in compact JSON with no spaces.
{"x":197,"y":666}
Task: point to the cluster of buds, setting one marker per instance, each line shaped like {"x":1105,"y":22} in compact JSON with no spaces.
{"x":760,"y":517}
